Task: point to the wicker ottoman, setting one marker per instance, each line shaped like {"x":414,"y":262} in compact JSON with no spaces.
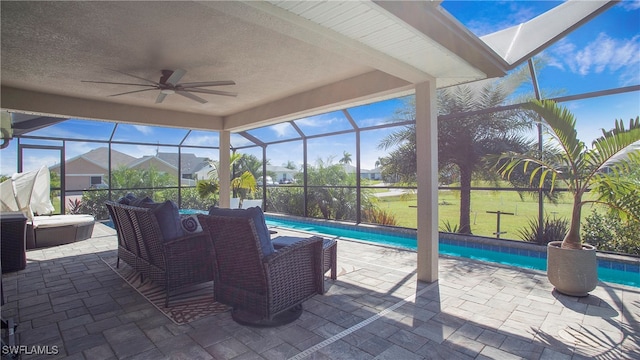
{"x":329,"y":252}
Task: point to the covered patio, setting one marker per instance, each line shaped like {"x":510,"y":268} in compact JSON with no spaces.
{"x":68,"y":301}
{"x":288,"y":60}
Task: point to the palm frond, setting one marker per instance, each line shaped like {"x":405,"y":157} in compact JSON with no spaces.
{"x":246,"y":181}
{"x":561,"y":125}
{"x":613,"y":142}
{"x":600,"y":168}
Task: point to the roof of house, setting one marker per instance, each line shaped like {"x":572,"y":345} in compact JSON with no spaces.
{"x":100,"y":157}
{"x":281,"y":169}
{"x":150,"y":158}
{"x":189,"y":164}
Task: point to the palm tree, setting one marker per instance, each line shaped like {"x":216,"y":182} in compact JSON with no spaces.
{"x":463,"y":141}
{"x":207,"y":188}
{"x":291,"y":165}
{"x":346,"y":158}
{"x":582,"y":169}
{"x":242,"y":184}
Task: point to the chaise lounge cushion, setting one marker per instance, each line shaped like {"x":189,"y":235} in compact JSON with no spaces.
{"x":256,"y":214}
{"x":168,"y":218}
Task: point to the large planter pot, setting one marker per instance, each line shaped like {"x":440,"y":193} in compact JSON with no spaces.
{"x":572,"y":272}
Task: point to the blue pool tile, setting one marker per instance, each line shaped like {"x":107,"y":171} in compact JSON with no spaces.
{"x":605,"y":264}
{"x":617,"y":266}
{"x":632,"y":268}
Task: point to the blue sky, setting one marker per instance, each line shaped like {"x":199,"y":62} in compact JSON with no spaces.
{"x":602,"y":54}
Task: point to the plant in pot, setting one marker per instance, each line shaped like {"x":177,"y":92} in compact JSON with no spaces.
{"x":571,"y":264}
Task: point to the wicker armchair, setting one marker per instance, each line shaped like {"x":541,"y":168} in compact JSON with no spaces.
{"x":127,"y":242}
{"x":177,"y":263}
{"x":263,"y":290}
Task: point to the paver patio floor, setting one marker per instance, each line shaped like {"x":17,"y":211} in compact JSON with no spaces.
{"x":69,"y":298}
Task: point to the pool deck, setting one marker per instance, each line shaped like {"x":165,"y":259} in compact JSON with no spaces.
{"x":376,"y":309}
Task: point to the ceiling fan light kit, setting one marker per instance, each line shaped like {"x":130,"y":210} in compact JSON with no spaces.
{"x":169,"y":84}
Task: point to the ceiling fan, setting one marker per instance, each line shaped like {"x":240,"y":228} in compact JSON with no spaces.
{"x":170,"y":84}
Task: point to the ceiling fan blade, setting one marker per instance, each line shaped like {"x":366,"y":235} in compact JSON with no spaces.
{"x":191,"y":96}
{"x":131,"y":92}
{"x":137,"y":77}
{"x":214,"y":92}
{"x":207,"y":83}
{"x":160,"y":97}
{"x":175,"y":77}
{"x":114,"y":83}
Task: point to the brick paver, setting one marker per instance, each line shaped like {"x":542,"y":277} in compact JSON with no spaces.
{"x":68,"y":298}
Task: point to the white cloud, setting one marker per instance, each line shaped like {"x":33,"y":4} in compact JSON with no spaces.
{"x":34,"y":162}
{"x":8,"y":159}
{"x":608,"y":54}
{"x":238,"y":141}
{"x":373,"y":121}
{"x":282,"y":129}
{"x":202,"y":140}
{"x":602,"y":55}
{"x":146,"y":130}
{"x":559,"y":52}
{"x":517,"y":13}
{"x":316,"y":121}
{"x":74,"y":148}
{"x":630,"y":5}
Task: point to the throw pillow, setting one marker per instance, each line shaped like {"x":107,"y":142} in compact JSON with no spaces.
{"x":127,"y":199}
{"x":138,"y":202}
{"x":168,"y":218}
{"x":256,"y":214}
{"x":190,"y":224}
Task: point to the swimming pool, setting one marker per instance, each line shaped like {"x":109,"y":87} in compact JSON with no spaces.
{"x":513,"y":253}
{"x":506,"y":252}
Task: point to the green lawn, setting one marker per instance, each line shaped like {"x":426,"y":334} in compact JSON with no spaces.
{"x":482,"y":223}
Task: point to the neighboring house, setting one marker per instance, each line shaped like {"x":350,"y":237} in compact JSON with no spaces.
{"x":189,"y":163}
{"x":91,"y":169}
{"x":375,"y":174}
{"x":161,"y":166}
{"x":281,"y":174}
{"x":202,"y":173}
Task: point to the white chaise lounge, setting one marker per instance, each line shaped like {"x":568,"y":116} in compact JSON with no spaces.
{"x":29,"y":193}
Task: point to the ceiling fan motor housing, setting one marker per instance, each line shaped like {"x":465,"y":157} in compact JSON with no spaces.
{"x":165,"y":76}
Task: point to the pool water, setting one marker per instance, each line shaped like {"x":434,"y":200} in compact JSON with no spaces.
{"x":608,"y":271}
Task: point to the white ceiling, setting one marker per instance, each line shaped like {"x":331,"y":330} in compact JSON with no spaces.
{"x":288,"y":59}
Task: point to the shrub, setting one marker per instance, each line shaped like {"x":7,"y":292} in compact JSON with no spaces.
{"x":448,"y":227}
{"x":379,"y":216}
{"x":75,"y":206}
{"x":553,"y":230}
{"x":286,"y":200}
{"x":608,"y":232}
{"x":93,"y":203}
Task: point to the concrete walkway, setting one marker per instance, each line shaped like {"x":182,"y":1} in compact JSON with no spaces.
{"x":69,"y":301}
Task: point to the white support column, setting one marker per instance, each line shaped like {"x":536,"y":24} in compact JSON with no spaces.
{"x":224,"y":169}
{"x":427,"y":173}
